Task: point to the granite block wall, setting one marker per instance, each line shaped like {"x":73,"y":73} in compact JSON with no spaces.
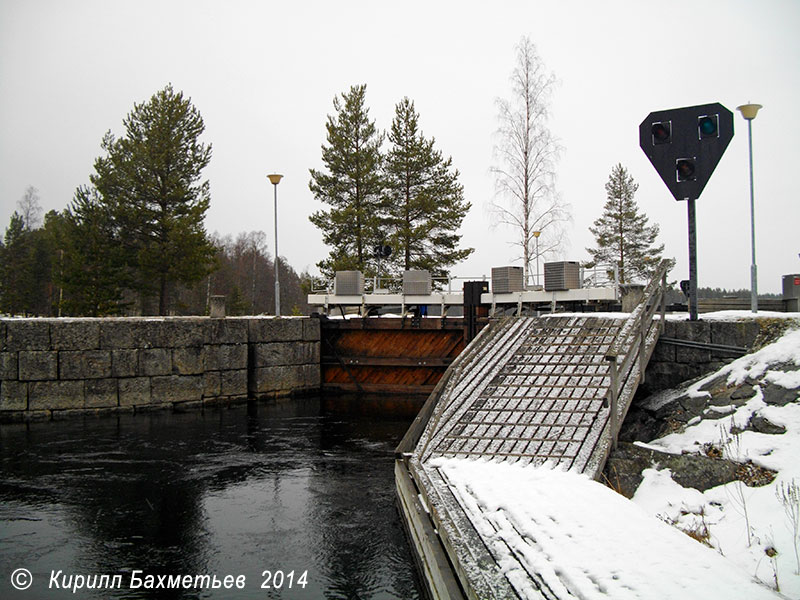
{"x":672,"y":364}
{"x":50,"y":367}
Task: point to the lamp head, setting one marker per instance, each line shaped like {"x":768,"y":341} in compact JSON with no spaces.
{"x":749,"y":111}
{"x":274,"y":178}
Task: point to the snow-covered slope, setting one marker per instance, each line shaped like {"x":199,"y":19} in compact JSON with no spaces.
{"x":750,"y":526}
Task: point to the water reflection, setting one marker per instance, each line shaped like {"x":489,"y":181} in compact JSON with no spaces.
{"x":286,"y":486}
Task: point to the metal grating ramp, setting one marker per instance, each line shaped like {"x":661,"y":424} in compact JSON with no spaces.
{"x":543,"y":397}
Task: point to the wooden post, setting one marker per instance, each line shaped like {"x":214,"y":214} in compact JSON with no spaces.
{"x":663,"y":298}
{"x":612,"y":397}
{"x":642,"y":344}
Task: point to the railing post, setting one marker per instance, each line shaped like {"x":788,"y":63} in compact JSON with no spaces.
{"x":663,"y":299}
{"x":613,"y":397}
{"x":642,"y":343}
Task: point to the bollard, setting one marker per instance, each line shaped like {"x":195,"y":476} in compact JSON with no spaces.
{"x":217,"y":308}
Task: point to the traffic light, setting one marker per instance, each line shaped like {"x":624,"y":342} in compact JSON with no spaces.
{"x":686,"y":144}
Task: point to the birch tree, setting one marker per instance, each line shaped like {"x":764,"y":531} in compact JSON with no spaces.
{"x":526,"y":153}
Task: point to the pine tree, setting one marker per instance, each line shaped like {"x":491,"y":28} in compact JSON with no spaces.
{"x":623,"y":236}
{"x":150,"y":180}
{"x":16,"y":268}
{"x":352,"y":185}
{"x":425,"y":201}
{"x":92,"y":269}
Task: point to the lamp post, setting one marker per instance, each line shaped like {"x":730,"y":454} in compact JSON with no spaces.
{"x":536,"y":235}
{"x":749,"y":112}
{"x":275,"y":179}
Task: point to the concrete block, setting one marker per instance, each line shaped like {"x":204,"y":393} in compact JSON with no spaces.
{"x":692,"y":355}
{"x":179,"y":333}
{"x":226,"y":331}
{"x":223,"y":357}
{"x":13,"y":395}
{"x":212,"y":384}
{"x":155,"y":361}
{"x":187,"y":360}
{"x":101,"y":393}
{"x":663,"y":352}
{"x":312,"y":376}
{"x":233,"y":383}
{"x":176,"y":388}
{"x":265,"y":380}
{"x":38,"y":365}
{"x":124,"y":362}
{"x":271,"y":329}
{"x":311,"y":330}
{"x":123,"y":333}
{"x":693,"y":331}
{"x":84,"y":364}
{"x":285,"y":353}
{"x":55,"y":395}
{"x":9,"y":366}
{"x":24,"y":334}
{"x":217,"y":307}
{"x":734,"y":333}
{"x":81,"y":334}
{"x":134,"y":391}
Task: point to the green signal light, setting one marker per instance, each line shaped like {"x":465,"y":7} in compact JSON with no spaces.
{"x":707,"y":126}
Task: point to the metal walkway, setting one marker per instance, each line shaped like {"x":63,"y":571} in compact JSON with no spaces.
{"x":528,"y":390}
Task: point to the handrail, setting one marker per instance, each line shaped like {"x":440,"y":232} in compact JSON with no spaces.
{"x":600,"y":275}
{"x":640,"y":322}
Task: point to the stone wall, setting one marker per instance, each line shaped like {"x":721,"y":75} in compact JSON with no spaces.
{"x":50,"y":367}
{"x":672,"y":364}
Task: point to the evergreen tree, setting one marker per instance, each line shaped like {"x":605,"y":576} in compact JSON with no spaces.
{"x":16,"y":268}
{"x":352,"y":185}
{"x":623,"y":236}
{"x":92,"y":270}
{"x":425,"y":202}
{"x":150,"y":181}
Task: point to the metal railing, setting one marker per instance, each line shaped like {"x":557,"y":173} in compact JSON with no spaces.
{"x":603,"y":275}
{"x":629,"y":353}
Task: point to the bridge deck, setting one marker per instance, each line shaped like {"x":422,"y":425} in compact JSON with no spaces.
{"x":535,"y":392}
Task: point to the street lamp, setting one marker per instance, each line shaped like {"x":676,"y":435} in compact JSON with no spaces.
{"x":536,"y":234}
{"x":749,"y":112}
{"x":275,"y":179}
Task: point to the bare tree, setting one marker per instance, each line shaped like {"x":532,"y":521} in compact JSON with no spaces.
{"x":30,"y":209}
{"x":526,"y":198}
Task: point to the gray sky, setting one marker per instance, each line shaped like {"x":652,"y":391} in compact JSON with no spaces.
{"x":264,"y":74}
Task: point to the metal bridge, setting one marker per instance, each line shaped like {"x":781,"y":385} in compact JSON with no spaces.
{"x":530,"y":390}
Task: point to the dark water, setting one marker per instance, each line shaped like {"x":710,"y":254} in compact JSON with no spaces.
{"x":279,"y":487}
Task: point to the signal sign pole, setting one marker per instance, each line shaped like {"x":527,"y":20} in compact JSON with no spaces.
{"x":692,"y":260}
{"x":685,"y":145}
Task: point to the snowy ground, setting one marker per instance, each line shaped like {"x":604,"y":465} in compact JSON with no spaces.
{"x":727,"y":512}
{"x":583,"y":539}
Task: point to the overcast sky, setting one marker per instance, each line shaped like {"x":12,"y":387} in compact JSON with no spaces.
{"x":264,"y":75}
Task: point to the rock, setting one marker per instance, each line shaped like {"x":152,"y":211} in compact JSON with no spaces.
{"x":715,"y":385}
{"x":743,"y":392}
{"x":694,"y":406}
{"x":778,"y":395}
{"x":764,"y":425}
{"x":624,"y":468}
